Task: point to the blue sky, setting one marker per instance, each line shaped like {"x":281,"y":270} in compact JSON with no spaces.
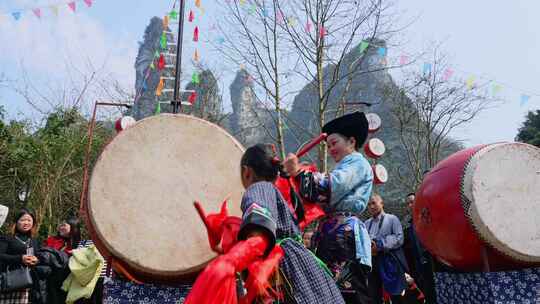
{"x":492,"y":40}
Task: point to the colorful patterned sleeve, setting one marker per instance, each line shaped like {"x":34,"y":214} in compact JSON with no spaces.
{"x":257,"y":205}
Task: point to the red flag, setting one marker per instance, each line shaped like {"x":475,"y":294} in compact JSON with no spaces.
{"x":191,"y":16}
{"x":72,"y":6}
{"x":161,"y":62}
{"x":192,"y":97}
{"x":322,"y":31}
{"x":37,"y":12}
{"x":196,"y":34}
{"x":88,"y":2}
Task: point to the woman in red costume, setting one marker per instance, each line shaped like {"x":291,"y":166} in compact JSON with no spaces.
{"x":269,"y":236}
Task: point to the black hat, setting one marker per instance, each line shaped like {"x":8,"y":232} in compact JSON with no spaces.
{"x":349,"y":125}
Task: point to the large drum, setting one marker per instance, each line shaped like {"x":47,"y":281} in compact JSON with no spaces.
{"x":480,"y":208}
{"x":141,"y":193}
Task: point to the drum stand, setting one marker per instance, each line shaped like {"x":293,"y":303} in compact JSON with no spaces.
{"x":82,"y":206}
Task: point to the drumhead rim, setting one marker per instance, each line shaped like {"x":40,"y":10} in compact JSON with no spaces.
{"x":99,"y":234}
{"x":472,"y":213}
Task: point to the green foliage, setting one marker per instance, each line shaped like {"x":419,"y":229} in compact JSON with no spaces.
{"x":47,"y":162}
{"x":530,"y":130}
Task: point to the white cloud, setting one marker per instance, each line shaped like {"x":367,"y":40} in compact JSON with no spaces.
{"x":51,"y":47}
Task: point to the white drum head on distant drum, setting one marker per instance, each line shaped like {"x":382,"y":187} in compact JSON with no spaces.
{"x":374,"y":122}
{"x":502,"y":184}
{"x":143,"y":186}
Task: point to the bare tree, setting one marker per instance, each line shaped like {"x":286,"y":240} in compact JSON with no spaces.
{"x":323,"y":33}
{"x":428,"y":105}
{"x":254,"y":40}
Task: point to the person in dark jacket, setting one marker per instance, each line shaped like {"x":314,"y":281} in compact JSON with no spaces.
{"x":419,"y":259}
{"x":18,"y":250}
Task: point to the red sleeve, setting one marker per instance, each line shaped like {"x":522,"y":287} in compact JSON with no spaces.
{"x":53,"y":242}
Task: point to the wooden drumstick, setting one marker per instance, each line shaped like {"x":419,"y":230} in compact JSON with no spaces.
{"x":305,"y":149}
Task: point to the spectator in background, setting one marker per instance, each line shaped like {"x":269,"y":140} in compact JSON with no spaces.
{"x":67,"y":237}
{"x":388,"y":261}
{"x":420,"y":261}
{"x":17,"y":250}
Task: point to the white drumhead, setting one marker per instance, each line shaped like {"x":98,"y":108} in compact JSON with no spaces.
{"x":376,"y":147}
{"x":502,"y":184}
{"x":380,"y":174}
{"x":145,"y":181}
{"x":374,"y":122}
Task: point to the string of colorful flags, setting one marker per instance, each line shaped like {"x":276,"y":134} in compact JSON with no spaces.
{"x":49,"y":10}
{"x":449,"y":73}
{"x":404,"y":59}
{"x":159,"y":60}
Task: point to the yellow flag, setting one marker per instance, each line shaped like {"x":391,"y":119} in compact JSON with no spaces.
{"x":54,"y":10}
{"x":160,"y":86}
{"x":196,"y":56}
{"x":470,"y":82}
{"x":198,"y":3}
{"x":242,"y":2}
{"x":165,"y":22}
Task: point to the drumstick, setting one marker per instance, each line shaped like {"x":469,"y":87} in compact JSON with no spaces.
{"x":305,"y":149}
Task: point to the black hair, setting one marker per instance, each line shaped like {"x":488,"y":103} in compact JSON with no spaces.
{"x":20,"y":214}
{"x":74,"y":231}
{"x":263,"y":160}
{"x":411,"y":193}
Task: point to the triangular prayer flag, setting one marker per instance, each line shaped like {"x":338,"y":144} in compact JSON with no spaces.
{"x":470,"y":82}
{"x":196,"y":56}
{"x":163,"y":41}
{"x":524,"y":99}
{"x":173,"y":15}
{"x":291,"y":21}
{"x":88,"y":3}
{"x":242,"y":2}
{"x":158,"y":108}
{"x":403,"y":59}
{"x":322,"y":31}
{"x":165,"y":22}
{"x":191,"y":16}
{"x":161,"y":62}
{"x":201,"y":9}
{"x":144,"y":85}
{"x":198,"y":3}
{"x":72,"y":6}
{"x":265,"y":12}
{"x":384,"y":61}
{"x":54,"y":10}
{"x":160,"y":86}
{"x":280,"y":17}
{"x":156,"y":54}
{"x":37,"y":12}
{"x":308,"y":27}
{"x":192,"y":97}
{"x":447,"y":74}
{"x":16,"y":15}
{"x":252,"y":9}
{"x":221,"y":40}
{"x":196,"y":34}
{"x":496,"y":89}
{"x":195,"y":78}
{"x":382,"y":51}
{"x":427,"y":68}
{"x":152,"y":65}
{"x":363,"y":46}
